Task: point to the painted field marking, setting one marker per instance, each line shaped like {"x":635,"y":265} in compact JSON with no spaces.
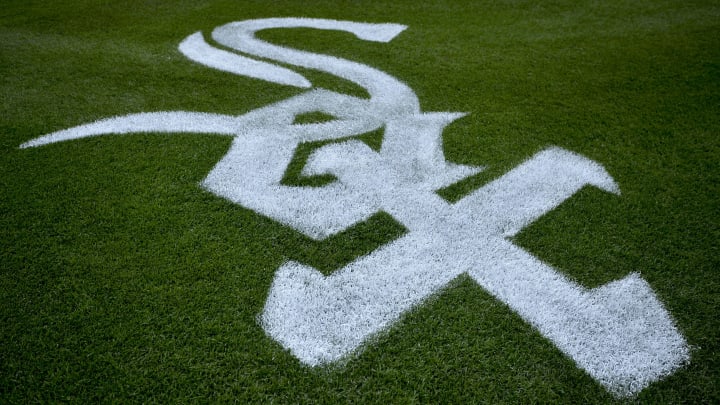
{"x":619,"y":333}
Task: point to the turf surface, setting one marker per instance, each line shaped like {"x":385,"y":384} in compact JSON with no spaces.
{"x":122,"y":280}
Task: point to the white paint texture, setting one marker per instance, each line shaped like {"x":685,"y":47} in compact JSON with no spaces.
{"x":195,"y":48}
{"x":619,"y":333}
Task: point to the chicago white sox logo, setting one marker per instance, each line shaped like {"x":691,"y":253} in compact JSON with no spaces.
{"x":619,"y":333}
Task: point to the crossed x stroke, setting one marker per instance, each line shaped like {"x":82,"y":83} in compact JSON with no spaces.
{"x":619,"y":333}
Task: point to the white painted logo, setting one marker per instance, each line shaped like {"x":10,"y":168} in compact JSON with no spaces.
{"x":618,"y":333}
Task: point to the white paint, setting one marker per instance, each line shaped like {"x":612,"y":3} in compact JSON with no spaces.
{"x":265,"y":139}
{"x":619,"y":333}
{"x":388,"y":95}
{"x":176,"y":121}
{"x":195,"y":48}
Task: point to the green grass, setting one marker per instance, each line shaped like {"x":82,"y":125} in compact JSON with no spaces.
{"x":122,"y":280}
